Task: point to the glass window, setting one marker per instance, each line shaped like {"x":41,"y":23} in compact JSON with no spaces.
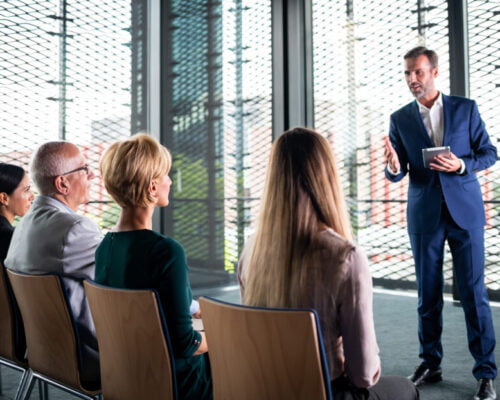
{"x":484,"y":50}
{"x":358,"y":82}
{"x":218,"y":112}
{"x":65,"y":75}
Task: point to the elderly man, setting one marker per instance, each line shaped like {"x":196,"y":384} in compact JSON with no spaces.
{"x":53,"y":238}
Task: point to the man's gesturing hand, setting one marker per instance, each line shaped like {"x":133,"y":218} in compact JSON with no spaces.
{"x":391,"y":157}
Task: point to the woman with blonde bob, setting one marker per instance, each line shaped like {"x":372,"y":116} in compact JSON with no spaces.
{"x":135,"y":173}
{"x":301,"y":255}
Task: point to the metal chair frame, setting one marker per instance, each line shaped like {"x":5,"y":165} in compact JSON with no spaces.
{"x":41,"y":288}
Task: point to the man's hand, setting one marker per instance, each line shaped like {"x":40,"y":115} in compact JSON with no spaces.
{"x":446,"y":163}
{"x":391,"y":157}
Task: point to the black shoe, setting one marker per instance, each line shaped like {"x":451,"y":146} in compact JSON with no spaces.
{"x":426,"y":375}
{"x":485,"y":390}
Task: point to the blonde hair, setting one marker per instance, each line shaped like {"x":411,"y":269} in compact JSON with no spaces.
{"x":302,"y":196}
{"x":128,"y":167}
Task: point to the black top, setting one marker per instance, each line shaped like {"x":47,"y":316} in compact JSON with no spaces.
{"x":6,"y":231}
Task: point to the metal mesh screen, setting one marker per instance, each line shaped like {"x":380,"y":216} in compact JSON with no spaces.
{"x":359,"y":82}
{"x":65,"y":74}
{"x":484,"y":64}
{"x":219,"y":116}
{"x":71,"y":70}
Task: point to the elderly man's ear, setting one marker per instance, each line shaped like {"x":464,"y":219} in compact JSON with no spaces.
{"x":61,"y":185}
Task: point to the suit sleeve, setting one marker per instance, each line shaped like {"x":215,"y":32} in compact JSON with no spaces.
{"x":396,"y":142}
{"x":483,"y":154}
{"x":80,"y":245}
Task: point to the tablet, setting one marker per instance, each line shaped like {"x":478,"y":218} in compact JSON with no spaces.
{"x":429,"y":153}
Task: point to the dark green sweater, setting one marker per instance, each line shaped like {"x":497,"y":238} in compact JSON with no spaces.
{"x":144,"y":259}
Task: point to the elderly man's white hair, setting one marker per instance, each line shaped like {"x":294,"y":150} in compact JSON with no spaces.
{"x":48,"y":161}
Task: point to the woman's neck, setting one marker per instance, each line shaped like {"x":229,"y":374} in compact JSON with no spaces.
{"x":135,"y":218}
{"x":7,"y":215}
{"x":322,"y":226}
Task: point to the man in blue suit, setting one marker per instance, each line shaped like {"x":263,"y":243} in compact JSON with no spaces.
{"x":444,"y":204}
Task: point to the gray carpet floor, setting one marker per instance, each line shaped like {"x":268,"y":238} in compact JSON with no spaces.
{"x":396,"y":326}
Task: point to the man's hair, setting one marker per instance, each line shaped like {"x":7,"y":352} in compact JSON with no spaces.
{"x":423,"y":51}
{"x":47,"y":162}
{"x":128,"y":167}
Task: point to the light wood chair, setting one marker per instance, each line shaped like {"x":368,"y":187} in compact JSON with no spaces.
{"x":12,"y":343}
{"x":135,"y":353}
{"x":52,"y":342}
{"x":262,"y":353}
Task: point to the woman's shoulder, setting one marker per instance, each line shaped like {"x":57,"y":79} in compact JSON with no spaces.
{"x":338,"y":248}
{"x":166,"y":241}
{"x":162,"y":246}
{"x":331,"y":242}
{"x":147,"y":240}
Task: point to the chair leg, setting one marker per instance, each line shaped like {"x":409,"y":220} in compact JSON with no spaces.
{"x":43,"y":390}
{"x":22,"y":384}
{"x":29,"y":382}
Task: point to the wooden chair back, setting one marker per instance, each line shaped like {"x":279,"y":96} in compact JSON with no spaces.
{"x":49,"y":327}
{"x":135,"y":354}
{"x":9,"y":346}
{"x":259,"y":353}
{"x":12,"y":340}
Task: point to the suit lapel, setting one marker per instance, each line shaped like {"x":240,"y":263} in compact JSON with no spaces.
{"x":420,"y":123}
{"x":446,"y":118}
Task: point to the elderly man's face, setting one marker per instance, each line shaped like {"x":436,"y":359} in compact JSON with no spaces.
{"x":78,"y":174}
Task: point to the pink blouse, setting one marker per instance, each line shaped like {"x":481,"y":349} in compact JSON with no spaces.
{"x":350,"y":341}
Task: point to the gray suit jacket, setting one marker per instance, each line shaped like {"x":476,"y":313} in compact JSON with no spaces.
{"x":51,"y":238}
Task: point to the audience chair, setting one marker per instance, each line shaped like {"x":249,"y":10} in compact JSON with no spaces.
{"x":264,"y":353}
{"x":136,"y":358}
{"x":51,"y":336}
{"x":12,"y":343}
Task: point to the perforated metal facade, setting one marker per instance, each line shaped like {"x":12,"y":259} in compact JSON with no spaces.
{"x":65,"y":75}
{"x":76,"y":70}
{"x":219,"y":111}
{"x":358,"y":75}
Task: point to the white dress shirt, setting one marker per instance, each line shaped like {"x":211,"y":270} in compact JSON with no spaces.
{"x":433,"y":119}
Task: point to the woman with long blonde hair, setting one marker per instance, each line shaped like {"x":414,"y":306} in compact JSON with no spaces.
{"x":301,"y":255}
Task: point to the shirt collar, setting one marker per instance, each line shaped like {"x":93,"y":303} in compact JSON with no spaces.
{"x":438,"y":102}
{"x":51,"y":199}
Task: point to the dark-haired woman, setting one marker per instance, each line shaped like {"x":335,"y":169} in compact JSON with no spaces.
{"x":15,"y":200}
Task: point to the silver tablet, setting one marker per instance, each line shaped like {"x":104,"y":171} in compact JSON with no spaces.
{"x":429,"y":153}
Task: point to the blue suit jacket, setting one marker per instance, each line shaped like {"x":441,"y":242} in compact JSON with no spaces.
{"x":466,"y":135}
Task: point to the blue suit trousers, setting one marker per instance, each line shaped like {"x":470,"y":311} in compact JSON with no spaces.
{"x":467,"y":249}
